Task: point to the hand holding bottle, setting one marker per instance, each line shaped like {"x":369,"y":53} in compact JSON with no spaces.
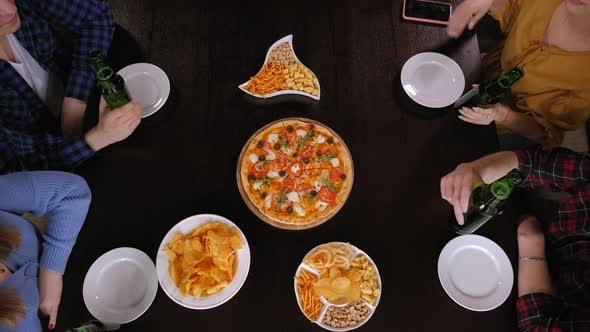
{"x":456,"y":188}
{"x":114,"y":125}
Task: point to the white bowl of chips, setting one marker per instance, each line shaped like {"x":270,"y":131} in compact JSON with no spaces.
{"x":335,"y":280}
{"x":203,"y":261}
{"x":283,"y":74}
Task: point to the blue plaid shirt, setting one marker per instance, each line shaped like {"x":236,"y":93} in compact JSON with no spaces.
{"x":30,"y":137}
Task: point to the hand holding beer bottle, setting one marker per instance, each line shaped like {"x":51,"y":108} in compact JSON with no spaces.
{"x":479,"y":190}
{"x":114,"y":125}
{"x":485,"y":106}
{"x":124,"y":114}
{"x":457,"y":186}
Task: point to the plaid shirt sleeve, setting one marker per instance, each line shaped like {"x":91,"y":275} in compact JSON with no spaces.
{"x":539,"y":312}
{"x":561,"y":168}
{"x":68,"y":155}
{"x":52,"y":152}
{"x":91,"y":24}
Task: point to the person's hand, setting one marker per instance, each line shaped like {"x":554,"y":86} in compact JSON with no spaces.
{"x":467,"y":14}
{"x":50,"y":287}
{"x":484,"y":116}
{"x":72,"y":116}
{"x":456,"y":188}
{"x":114,"y":125}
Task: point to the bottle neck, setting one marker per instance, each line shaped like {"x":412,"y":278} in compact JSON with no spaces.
{"x":104,"y":72}
{"x":106,"y":77}
{"x":493,"y":91}
{"x":508,"y":79}
{"x":492,"y":197}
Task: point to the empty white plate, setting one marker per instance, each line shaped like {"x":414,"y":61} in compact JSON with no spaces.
{"x":148,"y":84}
{"x":120,"y":286}
{"x":162,"y":265}
{"x":432,"y":79}
{"x":475,"y":272}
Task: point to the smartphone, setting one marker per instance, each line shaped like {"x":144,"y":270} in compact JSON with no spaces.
{"x":434,"y":12}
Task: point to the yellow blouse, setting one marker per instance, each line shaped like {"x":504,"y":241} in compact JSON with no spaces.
{"x":555,"y":88}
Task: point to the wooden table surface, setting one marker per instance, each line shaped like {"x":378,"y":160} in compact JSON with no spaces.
{"x":182,"y":160}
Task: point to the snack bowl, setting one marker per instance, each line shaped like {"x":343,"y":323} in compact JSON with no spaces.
{"x":289,"y":41}
{"x":184,"y":227}
{"x":329,"y":311}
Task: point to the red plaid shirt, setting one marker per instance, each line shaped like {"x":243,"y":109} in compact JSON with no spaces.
{"x":568,"y":249}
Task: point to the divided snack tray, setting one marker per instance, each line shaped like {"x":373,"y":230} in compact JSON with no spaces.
{"x":289,"y":40}
{"x":326,"y":304}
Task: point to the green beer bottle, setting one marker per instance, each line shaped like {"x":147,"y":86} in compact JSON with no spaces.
{"x":111,"y":84}
{"x":491,"y":92}
{"x":91,"y":326}
{"x":486,"y":201}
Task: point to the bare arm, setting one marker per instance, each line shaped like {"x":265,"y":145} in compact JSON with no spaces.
{"x":503,"y":115}
{"x":520,"y":123}
{"x":492,"y":167}
{"x":456,"y":187}
{"x":72,"y":116}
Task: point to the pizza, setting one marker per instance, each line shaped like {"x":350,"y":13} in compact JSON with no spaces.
{"x":295,"y":172}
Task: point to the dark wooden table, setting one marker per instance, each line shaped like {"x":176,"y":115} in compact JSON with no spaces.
{"x":182,"y":160}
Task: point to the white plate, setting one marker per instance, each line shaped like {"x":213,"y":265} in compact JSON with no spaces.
{"x":287,"y":39}
{"x":148,"y":84}
{"x":475,"y":272}
{"x":243,"y":259}
{"x":120,"y":286}
{"x":432,"y":79}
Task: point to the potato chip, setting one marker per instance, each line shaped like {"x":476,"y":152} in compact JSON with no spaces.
{"x":337,"y":287}
{"x":203,"y":262}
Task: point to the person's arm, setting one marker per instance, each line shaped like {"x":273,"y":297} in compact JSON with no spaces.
{"x":503,"y":115}
{"x":63,"y":197}
{"x":560,"y":167}
{"x":60,"y":154}
{"x":456,"y":187}
{"x":91,"y":24}
{"x":51,"y":151}
{"x":72,"y":117}
{"x":469,"y":12}
{"x":497,"y":4}
{"x":522,"y":124}
{"x":540,"y":312}
{"x":537,"y":307}
{"x":114,"y":125}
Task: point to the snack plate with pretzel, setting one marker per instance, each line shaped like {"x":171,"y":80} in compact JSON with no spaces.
{"x":337,"y":286}
{"x":282,"y":74}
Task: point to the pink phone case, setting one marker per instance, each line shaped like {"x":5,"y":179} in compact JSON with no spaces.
{"x":425,"y":20}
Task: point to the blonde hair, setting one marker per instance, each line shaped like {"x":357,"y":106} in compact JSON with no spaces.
{"x":11,"y":307}
{"x":9,"y":240}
